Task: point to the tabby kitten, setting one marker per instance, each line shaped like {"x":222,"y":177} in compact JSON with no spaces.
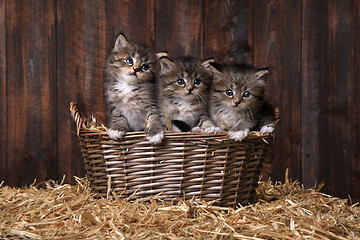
{"x":237,"y":101}
{"x":184,"y":88}
{"x":130,"y":90}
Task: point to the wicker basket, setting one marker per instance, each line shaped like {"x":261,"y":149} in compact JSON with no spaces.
{"x":185,"y":165}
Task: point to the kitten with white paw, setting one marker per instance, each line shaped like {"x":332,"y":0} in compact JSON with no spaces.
{"x":129,"y":89}
{"x":184,"y":87}
{"x":238,"y":103}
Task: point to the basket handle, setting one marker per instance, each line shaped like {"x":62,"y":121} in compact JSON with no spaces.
{"x":78,"y":117}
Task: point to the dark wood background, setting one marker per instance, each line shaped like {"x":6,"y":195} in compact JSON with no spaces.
{"x":53,"y":52}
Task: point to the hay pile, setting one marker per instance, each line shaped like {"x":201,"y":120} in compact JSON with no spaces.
{"x":62,"y":211}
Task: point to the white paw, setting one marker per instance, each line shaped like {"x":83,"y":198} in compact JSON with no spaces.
{"x":115,"y":134}
{"x":157,"y":138}
{"x":212,"y":129}
{"x":196,"y":129}
{"x":267,"y":129}
{"x":239,"y":135}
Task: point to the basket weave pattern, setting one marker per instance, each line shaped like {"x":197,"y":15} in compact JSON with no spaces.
{"x":210,"y":167}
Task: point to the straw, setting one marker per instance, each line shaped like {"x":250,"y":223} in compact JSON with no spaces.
{"x":62,"y":211}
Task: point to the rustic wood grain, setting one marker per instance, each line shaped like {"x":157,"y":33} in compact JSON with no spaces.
{"x":3,"y":84}
{"x":278,"y":46}
{"x":250,"y":20}
{"x":335,"y":99}
{"x":326,"y":105}
{"x":31,"y":96}
{"x":135,"y":19}
{"x":313,"y":70}
{"x":179,"y":27}
{"x":217,"y":30}
{"x":237,"y":18}
{"x":226,"y":30}
{"x":81,"y":41}
{"x":326,"y":100}
{"x":355,"y":183}
{"x":227,"y":34}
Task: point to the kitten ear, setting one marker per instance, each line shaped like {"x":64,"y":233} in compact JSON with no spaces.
{"x":120,"y":42}
{"x":261,"y":73}
{"x":207,"y":63}
{"x":166,"y":65}
{"x":161,"y":54}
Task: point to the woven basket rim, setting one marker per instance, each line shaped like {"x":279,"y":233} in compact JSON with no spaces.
{"x":84,"y":125}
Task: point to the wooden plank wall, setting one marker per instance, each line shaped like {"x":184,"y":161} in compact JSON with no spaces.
{"x":30,"y":91}
{"x":3,"y":102}
{"x":53,"y":52}
{"x":355,"y":109}
{"x":81,"y":42}
{"x":278,"y":46}
{"x":327,"y":84}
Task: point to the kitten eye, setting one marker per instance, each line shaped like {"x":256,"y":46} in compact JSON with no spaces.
{"x":246,"y":94}
{"x":180,"y":81}
{"x":145,"y":67}
{"x":129,"y":61}
{"x":229,"y":93}
{"x":197,"y":81}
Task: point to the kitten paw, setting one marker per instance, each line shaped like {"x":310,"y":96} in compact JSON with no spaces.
{"x":155,"y":132}
{"x":267,"y":129}
{"x":155,"y":139}
{"x":212,"y":129}
{"x":196,"y":129}
{"x":115,"y":134}
{"x":239,"y":135}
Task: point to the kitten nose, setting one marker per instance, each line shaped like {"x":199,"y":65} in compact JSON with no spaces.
{"x":190,"y":89}
{"x":136,"y":69}
{"x":236,"y":102}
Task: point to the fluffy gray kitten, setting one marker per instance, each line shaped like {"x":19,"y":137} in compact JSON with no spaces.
{"x":237,"y":101}
{"x":130,"y":90}
{"x":184,"y":87}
